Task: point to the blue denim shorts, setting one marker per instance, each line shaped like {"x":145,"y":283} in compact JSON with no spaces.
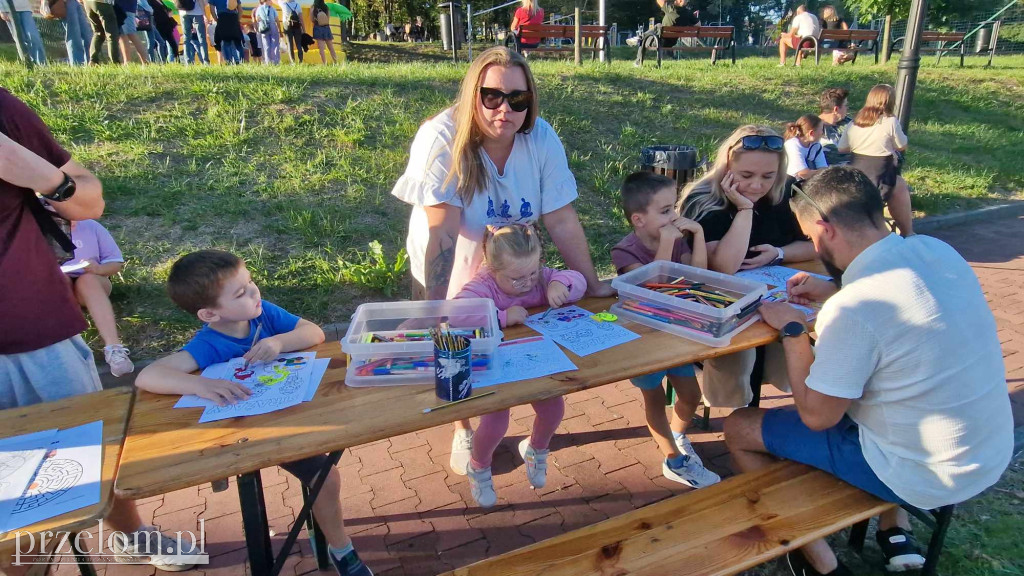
{"x":835,"y":450}
{"x":653,"y":380}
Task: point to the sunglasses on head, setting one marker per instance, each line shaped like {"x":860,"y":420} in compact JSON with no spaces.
{"x":797,"y":190}
{"x":756,"y":142}
{"x":518,"y":100}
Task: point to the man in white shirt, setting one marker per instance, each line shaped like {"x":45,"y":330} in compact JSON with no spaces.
{"x":904,"y":394}
{"x":804,"y":24}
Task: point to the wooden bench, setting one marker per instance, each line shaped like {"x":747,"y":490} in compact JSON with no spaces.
{"x":593,"y":38}
{"x":732,"y":526}
{"x":944,"y":41}
{"x":858,"y":41}
{"x":721,"y":38}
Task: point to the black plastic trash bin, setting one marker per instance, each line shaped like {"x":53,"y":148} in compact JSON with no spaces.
{"x":445,"y":10}
{"x":679,"y":163}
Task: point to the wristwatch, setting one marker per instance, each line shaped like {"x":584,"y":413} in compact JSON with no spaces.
{"x":65,"y":190}
{"x":791,"y":329}
{"x":778,"y":259}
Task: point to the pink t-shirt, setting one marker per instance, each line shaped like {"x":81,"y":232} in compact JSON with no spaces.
{"x":483,"y":285}
{"x":524,"y":18}
{"x":630,"y":250}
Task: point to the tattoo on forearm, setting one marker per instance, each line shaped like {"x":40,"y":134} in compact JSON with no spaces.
{"x":439,"y":270}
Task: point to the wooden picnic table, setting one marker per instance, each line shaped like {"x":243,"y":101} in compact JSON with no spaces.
{"x":168,"y":449}
{"x":113,"y":408}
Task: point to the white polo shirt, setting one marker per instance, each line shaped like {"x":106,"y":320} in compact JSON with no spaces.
{"x":806,"y":24}
{"x":912,"y":342}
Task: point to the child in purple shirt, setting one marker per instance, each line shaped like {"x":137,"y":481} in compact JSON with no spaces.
{"x":659,"y":233}
{"x":514,"y":278}
{"x":96,"y":250}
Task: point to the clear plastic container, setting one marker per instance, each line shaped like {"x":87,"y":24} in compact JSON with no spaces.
{"x":387,"y":342}
{"x":705,"y":324}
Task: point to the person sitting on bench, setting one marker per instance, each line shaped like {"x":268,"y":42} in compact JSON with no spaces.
{"x":529,"y":13}
{"x":904,"y":394}
{"x":804,"y":24}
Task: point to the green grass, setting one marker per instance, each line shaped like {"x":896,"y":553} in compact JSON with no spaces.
{"x":292,"y":167}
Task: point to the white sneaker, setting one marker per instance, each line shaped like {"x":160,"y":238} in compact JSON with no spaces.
{"x":116,"y":356}
{"x":462,"y":446}
{"x":686,"y":448}
{"x":481,"y":486}
{"x":536,"y":463}
{"x":164,"y":552}
{"x":692,"y":474}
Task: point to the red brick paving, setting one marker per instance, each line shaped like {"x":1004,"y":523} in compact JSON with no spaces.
{"x":410,"y":515}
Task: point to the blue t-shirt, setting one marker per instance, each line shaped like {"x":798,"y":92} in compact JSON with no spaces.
{"x":209,"y":346}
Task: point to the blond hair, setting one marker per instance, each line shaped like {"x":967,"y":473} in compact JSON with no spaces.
{"x":828,"y":13}
{"x":879,"y":104}
{"x":502,"y":244}
{"x":707,"y":195}
{"x":531,"y":7}
{"x":468,"y":170}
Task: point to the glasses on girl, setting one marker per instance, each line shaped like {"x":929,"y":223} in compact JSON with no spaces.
{"x":524,"y":281}
{"x":518,"y":100}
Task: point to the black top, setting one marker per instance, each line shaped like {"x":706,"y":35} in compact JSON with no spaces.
{"x":775,"y":225}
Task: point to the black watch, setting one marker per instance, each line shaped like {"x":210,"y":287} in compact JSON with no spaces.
{"x":64,"y":191}
{"x":793,"y":328}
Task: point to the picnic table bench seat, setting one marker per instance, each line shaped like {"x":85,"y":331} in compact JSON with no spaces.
{"x":723,"y":529}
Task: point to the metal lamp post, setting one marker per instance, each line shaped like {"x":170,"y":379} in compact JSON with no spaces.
{"x":910,"y":62}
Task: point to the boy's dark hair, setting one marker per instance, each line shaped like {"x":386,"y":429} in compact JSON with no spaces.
{"x":639,"y":187}
{"x":845,"y":196}
{"x":196,"y":279}
{"x":832,"y":98}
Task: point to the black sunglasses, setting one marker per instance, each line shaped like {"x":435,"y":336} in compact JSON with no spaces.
{"x":518,"y":100}
{"x":756,"y":142}
{"x":797,"y":190}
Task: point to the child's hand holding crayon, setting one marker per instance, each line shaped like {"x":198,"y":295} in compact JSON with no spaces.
{"x":558,"y":294}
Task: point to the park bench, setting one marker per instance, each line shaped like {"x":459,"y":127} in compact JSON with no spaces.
{"x":720,"y":37}
{"x":593,"y":37}
{"x":732,"y":526}
{"x":858,"y":40}
{"x":944,"y":42}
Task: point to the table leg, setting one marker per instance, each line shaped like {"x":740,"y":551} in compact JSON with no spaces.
{"x":306,"y":512}
{"x":316,"y":537}
{"x":254,"y":523}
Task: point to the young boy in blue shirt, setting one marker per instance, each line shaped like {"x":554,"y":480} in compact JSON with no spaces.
{"x":217,"y":288}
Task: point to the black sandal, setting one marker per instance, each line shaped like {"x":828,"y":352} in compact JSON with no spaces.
{"x":901,"y":554}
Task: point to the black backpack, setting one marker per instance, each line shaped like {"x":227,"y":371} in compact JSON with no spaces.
{"x":293,"y":17}
{"x":186,"y":4}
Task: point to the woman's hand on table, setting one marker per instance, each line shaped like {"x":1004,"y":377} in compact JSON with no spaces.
{"x":602,"y":289}
{"x":806,"y":289}
{"x":767,"y":254}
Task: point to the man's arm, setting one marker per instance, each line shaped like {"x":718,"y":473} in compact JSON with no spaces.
{"x":24,"y":168}
{"x":563,"y":225}
{"x":817,"y":411}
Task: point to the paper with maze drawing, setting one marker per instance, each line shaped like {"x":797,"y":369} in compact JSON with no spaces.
{"x":776,"y":277}
{"x":574,"y":328}
{"x":20,"y":457}
{"x":67,"y":479}
{"x":275,"y":385}
{"x":524,"y":359}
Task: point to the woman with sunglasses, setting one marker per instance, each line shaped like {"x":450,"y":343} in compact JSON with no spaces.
{"x":489,"y":160}
{"x":742,"y":205}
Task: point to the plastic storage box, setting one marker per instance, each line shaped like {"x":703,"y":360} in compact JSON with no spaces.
{"x":693,"y":320}
{"x":387,"y":342}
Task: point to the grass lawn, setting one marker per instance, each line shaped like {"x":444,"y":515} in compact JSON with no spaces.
{"x":292,"y":167}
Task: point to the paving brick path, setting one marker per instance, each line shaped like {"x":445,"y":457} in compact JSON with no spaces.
{"x":408,"y":514}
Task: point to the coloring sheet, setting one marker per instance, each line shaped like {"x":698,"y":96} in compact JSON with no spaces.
{"x":232,"y":370}
{"x":275,"y":385}
{"x":319,"y":369}
{"x":20,"y":457}
{"x":524,"y":359}
{"x":574,"y":328}
{"x":776,"y":277}
{"x":67,"y":479}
